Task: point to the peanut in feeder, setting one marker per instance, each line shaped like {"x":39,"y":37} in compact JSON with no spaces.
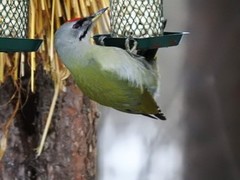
{"x":13,"y":18}
{"x":137,"y":18}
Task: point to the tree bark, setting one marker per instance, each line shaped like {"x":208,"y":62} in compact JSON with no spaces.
{"x":70,"y":148}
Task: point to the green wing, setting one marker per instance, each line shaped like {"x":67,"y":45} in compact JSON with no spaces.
{"x":106,"y":88}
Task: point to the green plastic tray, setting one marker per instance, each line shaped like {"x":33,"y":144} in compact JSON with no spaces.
{"x":166,"y":40}
{"x":19,"y":44}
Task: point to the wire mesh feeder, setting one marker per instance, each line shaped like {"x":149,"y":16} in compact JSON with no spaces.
{"x":141,"y":22}
{"x":13,"y":18}
{"x":137,"y":18}
{"x":14,"y":27}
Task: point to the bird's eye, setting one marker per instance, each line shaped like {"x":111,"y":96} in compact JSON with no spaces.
{"x":76,"y":26}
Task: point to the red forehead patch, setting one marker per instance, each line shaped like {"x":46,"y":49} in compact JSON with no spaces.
{"x":74,"y":19}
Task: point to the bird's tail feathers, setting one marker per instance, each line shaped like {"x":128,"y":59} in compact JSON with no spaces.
{"x":158,"y":116}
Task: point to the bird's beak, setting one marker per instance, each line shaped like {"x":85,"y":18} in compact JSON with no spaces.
{"x":95,"y":16}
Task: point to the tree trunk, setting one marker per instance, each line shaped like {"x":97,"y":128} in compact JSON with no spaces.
{"x":212,"y":86}
{"x":70,"y":148}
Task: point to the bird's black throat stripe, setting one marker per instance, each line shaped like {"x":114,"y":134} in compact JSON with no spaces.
{"x":84,"y":33}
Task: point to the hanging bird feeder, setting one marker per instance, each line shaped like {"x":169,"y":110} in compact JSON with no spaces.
{"x":14,"y":26}
{"x":139,"y":24}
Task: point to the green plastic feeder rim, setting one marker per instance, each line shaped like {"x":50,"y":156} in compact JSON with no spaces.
{"x":19,"y":45}
{"x":168,"y":39}
{"x":14,"y":27}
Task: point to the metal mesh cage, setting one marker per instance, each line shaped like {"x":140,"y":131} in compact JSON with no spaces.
{"x":136,"y":18}
{"x":13,"y":18}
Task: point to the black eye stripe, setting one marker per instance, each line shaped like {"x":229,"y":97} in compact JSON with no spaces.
{"x":79,"y":23}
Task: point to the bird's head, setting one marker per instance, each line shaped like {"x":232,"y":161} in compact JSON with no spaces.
{"x":77,"y":29}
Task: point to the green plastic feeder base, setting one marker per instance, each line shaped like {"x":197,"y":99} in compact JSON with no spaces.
{"x":19,"y":44}
{"x":166,"y":40}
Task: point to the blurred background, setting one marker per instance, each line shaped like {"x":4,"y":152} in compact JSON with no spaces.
{"x":200,"y":85}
